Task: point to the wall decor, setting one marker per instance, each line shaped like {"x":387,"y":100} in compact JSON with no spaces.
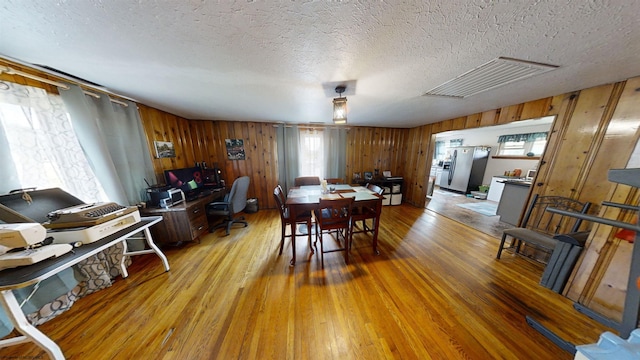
{"x":164,"y":149}
{"x":235,"y":149}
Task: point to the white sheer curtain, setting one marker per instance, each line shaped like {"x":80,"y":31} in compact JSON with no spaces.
{"x":114,"y":142}
{"x":39,"y":145}
{"x":312,"y":153}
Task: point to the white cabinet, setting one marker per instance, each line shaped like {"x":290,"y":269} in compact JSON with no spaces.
{"x":495,"y":189}
{"x":438,"y":175}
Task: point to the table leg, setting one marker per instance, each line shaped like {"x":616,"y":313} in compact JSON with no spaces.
{"x":22,"y":325}
{"x":293,"y":213}
{"x":156,"y":249}
{"x":123,"y":265}
{"x":293,"y":243}
{"x":376,"y":223}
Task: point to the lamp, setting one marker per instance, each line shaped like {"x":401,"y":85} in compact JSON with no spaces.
{"x":340,"y":107}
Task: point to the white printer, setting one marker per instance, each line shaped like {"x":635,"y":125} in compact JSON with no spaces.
{"x":28,"y":239}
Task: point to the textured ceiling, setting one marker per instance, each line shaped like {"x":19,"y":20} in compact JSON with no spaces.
{"x":279,"y":61}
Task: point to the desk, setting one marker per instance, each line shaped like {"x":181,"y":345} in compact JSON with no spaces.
{"x":26,"y":275}
{"x":307,"y":198}
{"x":186,"y":221}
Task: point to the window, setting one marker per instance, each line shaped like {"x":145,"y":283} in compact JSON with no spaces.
{"x":40,"y":146}
{"x":530,"y":144}
{"x":455,"y":142}
{"x":440,"y":150}
{"x":312,"y":153}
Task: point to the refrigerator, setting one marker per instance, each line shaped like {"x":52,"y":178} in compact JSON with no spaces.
{"x":466,"y":169}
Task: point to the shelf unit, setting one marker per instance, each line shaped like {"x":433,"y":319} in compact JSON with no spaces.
{"x":392,"y":188}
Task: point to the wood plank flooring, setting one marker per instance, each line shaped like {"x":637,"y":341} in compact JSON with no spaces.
{"x":445,"y":203}
{"x":435,"y":291}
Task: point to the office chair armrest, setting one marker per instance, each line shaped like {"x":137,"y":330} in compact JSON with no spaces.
{"x":218,"y":203}
{"x":219,"y":206}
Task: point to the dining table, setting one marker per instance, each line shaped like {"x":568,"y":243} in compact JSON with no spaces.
{"x":307,"y":198}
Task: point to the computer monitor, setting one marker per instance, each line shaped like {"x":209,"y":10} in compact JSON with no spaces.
{"x":189,"y":180}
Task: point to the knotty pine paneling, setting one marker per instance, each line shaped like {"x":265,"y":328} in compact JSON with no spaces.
{"x":370,"y":148}
{"x":604,"y":254}
{"x":198,"y":141}
{"x":535,"y":109}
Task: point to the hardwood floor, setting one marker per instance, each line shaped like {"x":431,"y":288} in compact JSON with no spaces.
{"x":435,"y":291}
{"x":446,"y":203}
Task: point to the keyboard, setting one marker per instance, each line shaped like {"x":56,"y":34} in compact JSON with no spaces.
{"x":86,"y":215}
{"x":32,"y":256}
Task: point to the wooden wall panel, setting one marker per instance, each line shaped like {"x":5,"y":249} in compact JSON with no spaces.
{"x":490,"y":117}
{"x":592,"y":283}
{"x":576,"y":141}
{"x":535,"y":109}
{"x":371,"y":148}
{"x":510,"y":113}
{"x":473,"y":121}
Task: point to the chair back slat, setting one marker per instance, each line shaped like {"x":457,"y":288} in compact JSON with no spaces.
{"x":307,"y":180}
{"x":539,"y":219}
{"x":334,"y":181}
{"x":278,"y":195}
{"x":335,"y":212}
{"x":375,"y":188}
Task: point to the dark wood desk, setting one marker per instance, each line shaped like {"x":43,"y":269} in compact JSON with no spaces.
{"x":307,"y":198}
{"x":19,"y":277}
{"x":183,"y":222}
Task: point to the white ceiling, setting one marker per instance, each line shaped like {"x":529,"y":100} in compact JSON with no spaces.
{"x":279,"y":61}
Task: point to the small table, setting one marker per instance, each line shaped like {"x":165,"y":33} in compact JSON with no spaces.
{"x":307,"y":198}
{"x":26,"y":275}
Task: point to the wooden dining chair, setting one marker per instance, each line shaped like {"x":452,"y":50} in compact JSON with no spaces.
{"x":307,"y":180}
{"x":286,"y":220}
{"x":334,"y":216}
{"x":334,"y":181}
{"x":364,"y":213}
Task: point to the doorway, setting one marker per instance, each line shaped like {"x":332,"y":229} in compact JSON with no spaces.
{"x":465,"y":208}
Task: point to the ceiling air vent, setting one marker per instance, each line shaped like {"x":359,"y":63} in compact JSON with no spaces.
{"x":495,"y":73}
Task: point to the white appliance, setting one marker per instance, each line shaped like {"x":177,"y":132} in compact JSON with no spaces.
{"x":26,"y":236}
{"x":466,"y":169}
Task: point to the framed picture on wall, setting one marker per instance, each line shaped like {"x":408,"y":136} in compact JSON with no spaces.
{"x":235,"y":149}
{"x":164,"y":149}
{"x":368,"y":175}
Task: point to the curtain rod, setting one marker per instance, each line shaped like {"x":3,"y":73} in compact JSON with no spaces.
{"x":11,"y":71}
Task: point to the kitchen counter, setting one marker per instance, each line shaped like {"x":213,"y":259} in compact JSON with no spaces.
{"x":522,"y":182}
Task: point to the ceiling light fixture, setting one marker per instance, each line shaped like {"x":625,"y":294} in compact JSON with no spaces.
{"x":340,"y":106}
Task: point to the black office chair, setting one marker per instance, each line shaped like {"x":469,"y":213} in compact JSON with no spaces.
{"x":234,"y":202}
